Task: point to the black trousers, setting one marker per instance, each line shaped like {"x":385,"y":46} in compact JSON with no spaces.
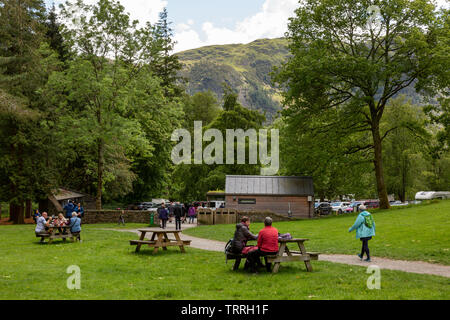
{"x":163,"y":223}
{"x":365,"y":247}
{"x":177,"y":223}
{"x":254,"y":257}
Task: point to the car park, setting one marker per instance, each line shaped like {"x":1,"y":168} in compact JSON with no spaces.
{"x":353,"y":207}
{"x":372,"y":204}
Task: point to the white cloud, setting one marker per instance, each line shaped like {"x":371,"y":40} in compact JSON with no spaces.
{"x":270,"y":22}
{"x":142,"y":10}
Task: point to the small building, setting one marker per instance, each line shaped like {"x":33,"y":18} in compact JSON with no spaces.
{"x":56,"y":201}
{"x":290,"y":196}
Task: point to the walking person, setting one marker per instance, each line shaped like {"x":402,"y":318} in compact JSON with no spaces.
{"x":69,"y":208}
{"x":163,"y":215}
{"x":191,"y":214}
{"x":178,"y":213}
{"x":365,"y":230}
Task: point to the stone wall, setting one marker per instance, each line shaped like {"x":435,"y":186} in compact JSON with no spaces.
{"x":112,"y":216}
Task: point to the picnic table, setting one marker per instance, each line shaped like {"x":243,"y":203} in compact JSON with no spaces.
{"x":160,"y":239}
{"x":283,"y":255}
{"x":54,"y":233}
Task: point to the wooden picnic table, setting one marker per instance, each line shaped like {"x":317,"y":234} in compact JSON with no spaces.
{"x":54,"y":233}
{"x":160,"y":239}
{"x":283,"y":255}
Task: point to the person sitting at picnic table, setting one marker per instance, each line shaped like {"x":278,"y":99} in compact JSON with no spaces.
{"x":75,"y":225}
{"x":79,"y":210}
{"x":242,"y":235}
{"x":267,"y":245}
{"x":163,"y":215}
{"x":60,"y":222}
{"x":42,"y":225}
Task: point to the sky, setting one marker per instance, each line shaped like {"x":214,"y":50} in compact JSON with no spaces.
{"x":198,"y":23}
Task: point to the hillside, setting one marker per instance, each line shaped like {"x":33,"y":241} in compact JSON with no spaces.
{"x":245,"y":67}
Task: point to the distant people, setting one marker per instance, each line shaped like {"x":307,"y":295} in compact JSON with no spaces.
{"x":80,"y":211}
{"x":185,"y":210}
{"x":242,"y":235}
{"x":171,"y":209}
{"x":42,"y":225}
{"x":178,"y":213}
{"x":75,"y":225}
{"x":191,"y":214}
{"x":69,"y":208}
{"x":222,"y":206}
{"x":267,"y":245}
{"x":163,"y":215}
{"x":365,"y":230}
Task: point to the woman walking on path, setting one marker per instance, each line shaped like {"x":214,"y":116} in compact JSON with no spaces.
{"x":365,"y":230}
{"x":191,"y":214}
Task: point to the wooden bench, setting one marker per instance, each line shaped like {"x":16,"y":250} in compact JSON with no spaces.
{"x":159,"y":239}
{"x":284,"y":255}
{"x":54,"y":233}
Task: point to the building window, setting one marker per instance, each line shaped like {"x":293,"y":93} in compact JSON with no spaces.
{"x":247,"y":201}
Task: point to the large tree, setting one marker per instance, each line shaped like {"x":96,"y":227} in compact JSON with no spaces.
{"x":350,"y":58}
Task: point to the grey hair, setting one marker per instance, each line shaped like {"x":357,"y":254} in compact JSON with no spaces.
{"x":268,"y":221}
{"x":74,"y":214}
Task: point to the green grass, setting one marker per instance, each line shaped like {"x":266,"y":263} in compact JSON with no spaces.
{"x":111,"y":270}
{"x":414,"y":233}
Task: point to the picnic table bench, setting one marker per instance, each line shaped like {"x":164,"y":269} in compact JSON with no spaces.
{"x":53,"y":233}
{"x":280,"y":257}
{"x":160,"y":239}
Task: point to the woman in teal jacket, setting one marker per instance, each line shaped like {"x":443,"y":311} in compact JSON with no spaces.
{"x":364,"y":232}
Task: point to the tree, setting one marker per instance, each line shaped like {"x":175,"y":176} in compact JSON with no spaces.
{"x":347,"y":64}
{"x":54,"y":35}
{"x":165,"y":64}
{"x":202,"y":106}
{"x":104,"y":89}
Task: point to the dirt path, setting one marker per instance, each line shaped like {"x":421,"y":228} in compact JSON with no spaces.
{"x":384,"y":263}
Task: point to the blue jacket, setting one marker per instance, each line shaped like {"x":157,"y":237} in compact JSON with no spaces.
{"x":69,"y":208}
{"x":163,"y":214}
{"x":80,"y":211}
{"x":75,"y":224}
{"x":361,"y":230}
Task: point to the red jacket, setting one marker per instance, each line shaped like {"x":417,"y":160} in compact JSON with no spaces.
{"x":268,"y":239}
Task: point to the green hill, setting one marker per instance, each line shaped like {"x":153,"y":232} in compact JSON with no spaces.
{"x":245,"y":67}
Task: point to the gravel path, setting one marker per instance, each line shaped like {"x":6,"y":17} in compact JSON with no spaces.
{"x":383,"y":263}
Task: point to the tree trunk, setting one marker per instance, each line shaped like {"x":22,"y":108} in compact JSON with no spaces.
{"x":378,"y":162}
{"x":12,"y":211}
{"x":20,"y":214}
{"x":100,"y":168}
{"x":28,"y":209}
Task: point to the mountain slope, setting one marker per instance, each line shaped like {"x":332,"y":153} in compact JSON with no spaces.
{"x":244,"y":67}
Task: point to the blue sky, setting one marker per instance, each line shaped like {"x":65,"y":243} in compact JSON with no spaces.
{"x":198,"y":23}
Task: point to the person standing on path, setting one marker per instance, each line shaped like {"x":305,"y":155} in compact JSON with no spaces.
{"x":178,"y":213}
{"x":191,"y":214}
{"x":163,"y":215}
{"x":365,"y":230}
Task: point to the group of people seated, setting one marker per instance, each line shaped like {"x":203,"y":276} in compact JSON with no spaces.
{"x":267,"y":243}
{"x":46,"y":224}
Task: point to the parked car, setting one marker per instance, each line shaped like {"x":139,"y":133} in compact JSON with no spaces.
{"x":154,"y":207}
{"x":353,"y":207}
{"x":339,"y":207}
{"x":372,"y":204}
{"x":322,"y":208}
{"x":398,"y":203}
{"x":430,"y":195}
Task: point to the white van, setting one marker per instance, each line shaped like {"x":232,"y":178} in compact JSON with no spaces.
{"x":430,"y":195}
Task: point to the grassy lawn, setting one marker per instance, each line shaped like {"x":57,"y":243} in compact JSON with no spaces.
{"x":111,"y":270}
{"x":420,"y":232}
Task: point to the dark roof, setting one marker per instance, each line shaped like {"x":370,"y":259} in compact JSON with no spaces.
{"x":269,"y":185}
